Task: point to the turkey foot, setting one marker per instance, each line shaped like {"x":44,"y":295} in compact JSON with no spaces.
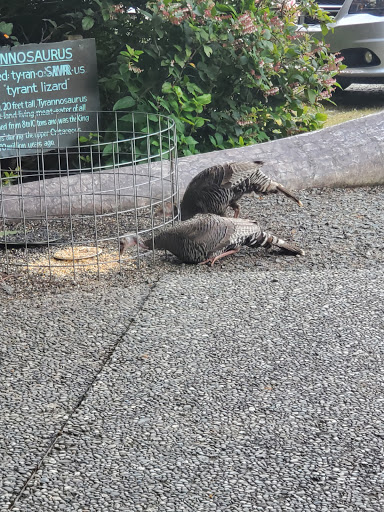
{"x":211,"y":261}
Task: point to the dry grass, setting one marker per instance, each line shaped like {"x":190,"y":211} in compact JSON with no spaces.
{"x":338,"y":115}
{"x":355,"y":102}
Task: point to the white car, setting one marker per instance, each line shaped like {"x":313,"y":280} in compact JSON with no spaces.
{"x":358,"y":34}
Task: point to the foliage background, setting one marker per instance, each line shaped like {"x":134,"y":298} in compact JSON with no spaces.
{"x":230,"y":74}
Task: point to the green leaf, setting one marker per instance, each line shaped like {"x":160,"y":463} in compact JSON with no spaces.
{"x":105,"y":14}
{"x":207,"y":50}
{"x":298,"y":78}
{"x":188,"y":107}
{"x":166,"y":88}
{"x":219,"y":138}
{"x":110,"y":148}
{"x":187,"y":121}
{"x":6,"y":27}
{"x":226,"y":8}
{"x":320,"y":116}
{"x":267,"y":34}
{"x":179,"y":92}
{"x":146,"y":14}
{"x":199,"y":122}
{"x":311,"y":95}
{"x":123,"y":103}
{"x":190,"y":140}
{"x":191,"y":87}
{"x":179,"y":60}
{"x":87,"y":22}
{"x":204,"y":99}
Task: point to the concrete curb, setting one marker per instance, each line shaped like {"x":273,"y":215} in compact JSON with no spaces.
{"x":346,"y":155}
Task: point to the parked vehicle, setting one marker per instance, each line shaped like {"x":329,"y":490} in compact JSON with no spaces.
{"x":358,"y":34}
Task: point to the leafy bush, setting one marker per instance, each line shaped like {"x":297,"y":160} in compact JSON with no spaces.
{"x":230,"y":75}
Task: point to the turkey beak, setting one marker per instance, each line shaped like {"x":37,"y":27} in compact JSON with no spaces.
{"x":289,"y":194}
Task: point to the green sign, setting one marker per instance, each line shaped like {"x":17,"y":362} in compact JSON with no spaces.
{"x":47,"y":95}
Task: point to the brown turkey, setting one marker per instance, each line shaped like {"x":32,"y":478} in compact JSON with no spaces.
{"x":220,"y":186}
{"x":207,"y":238}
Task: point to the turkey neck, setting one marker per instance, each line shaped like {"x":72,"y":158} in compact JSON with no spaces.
{"x":156,"y":242}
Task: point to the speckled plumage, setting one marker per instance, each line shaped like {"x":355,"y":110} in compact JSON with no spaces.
{"x":220,"y":186}
{"x":205,"y":237}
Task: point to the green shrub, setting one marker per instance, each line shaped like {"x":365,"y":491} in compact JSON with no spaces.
{"x":230,"y":75}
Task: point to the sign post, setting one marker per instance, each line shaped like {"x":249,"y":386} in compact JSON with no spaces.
{"x":47,"y":95}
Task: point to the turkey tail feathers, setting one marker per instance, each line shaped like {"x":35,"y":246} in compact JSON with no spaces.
{"x":268,"y":240}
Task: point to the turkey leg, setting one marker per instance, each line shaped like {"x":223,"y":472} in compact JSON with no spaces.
{"x":236,"y":209}
{"x":211,"y":261}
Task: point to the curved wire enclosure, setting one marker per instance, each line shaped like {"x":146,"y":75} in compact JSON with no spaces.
{"x":63,"y":210}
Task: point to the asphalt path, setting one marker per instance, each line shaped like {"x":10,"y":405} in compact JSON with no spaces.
{"x":256,"y":385}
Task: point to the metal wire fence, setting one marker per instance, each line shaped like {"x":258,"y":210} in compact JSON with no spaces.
{"x":63,"y":210}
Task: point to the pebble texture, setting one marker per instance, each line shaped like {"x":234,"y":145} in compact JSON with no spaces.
{"x":255,"y":385}
{"x":51,"y":350}
{"x":256,"y":401}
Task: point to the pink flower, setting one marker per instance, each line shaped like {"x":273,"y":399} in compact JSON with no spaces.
{"x":244,"y":122}
{"x":271,"y":92}
{"x":326,"y":94}
{"x":286,"y":4}
{"x":246,"y":23}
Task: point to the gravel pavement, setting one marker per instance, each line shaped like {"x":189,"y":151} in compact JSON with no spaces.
{"x":255,"y":385}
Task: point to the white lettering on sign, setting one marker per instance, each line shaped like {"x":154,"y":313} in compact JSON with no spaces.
{"x":11,"y":58}
{"x":45,"y":91}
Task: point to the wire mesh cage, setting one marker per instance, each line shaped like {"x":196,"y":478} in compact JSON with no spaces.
{"x":63,"y":210}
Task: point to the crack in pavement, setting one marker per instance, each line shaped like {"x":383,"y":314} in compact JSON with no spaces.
{"x":79,"y":402}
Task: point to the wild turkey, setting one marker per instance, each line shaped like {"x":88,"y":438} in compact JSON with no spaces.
{"x":207,"y":238}
{"x":220,"y":186}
